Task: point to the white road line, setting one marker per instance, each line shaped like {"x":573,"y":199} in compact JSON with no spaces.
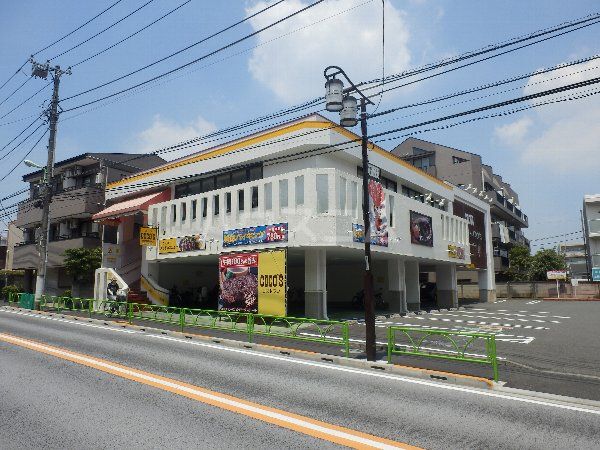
{"x":434,"y":384}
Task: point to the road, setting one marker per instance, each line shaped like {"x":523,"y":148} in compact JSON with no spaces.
{"x":72,"y":384}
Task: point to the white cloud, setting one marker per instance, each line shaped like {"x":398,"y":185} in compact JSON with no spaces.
{"x":562,"y":137}
{"x":163,"y":133}
{"x":292,"y":67}
{"x":515,"y":132}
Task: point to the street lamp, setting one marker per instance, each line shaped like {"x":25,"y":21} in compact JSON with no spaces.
{"x":338,"y":99}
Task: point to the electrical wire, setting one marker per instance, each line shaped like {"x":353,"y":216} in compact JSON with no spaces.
{"x":103,"y":30}
{"x":26,"y":100}
{"x":132,"y":34}
{"x":25,"y":155}
{"x":23,"y":131}
{"x":177,"y":53}
{"x":16,"y":90}
{"x":552,"y":237}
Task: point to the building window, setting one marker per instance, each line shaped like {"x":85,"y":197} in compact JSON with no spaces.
{"x":228,"y":202}
{"x":283,"y":193}
{"x":240,"y":200}
{"x":204,"y":207}
{"x":353,"y":197}
{"x":223,"y":181}
{"x":254,"y":198}
{"x":342,"y":195}
{"x":173,"y":213}
{"x":220,"y":181}
{"x":194,"y":207}
{"x":391,"y":200}
{"x":268,"y":196}
{"x":322,"y":193}
{"x":299,"y":190}
{"x":216,"y":205}
{"x":183,"y":212}
{"x":457,"y":160}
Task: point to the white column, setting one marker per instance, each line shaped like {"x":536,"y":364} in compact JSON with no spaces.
{"x":396,"y":287}
{"x":315,"y":283}
{"x":446,"y":289}
{"x":411,"y":284}
{"x":487,"y":278}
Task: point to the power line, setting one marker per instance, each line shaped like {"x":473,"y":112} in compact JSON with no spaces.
{"x":25,"y":155}
{"x":558,"y":235}
{"x":16,"y":90}
{"x":177,"y":53}
{"x":103,"y":30}
{"x":23,"y":131}
{"x":26,"y":100}
{"x":132,"y":34}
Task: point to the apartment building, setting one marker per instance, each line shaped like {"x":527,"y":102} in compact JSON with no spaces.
{"x":591,"y":225}
{"x":467,"y":171}
{"x":78,"y":188}
{"x":575,"y":258}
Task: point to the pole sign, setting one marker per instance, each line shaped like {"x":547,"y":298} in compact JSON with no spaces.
{"x":556,"y":274}
{"x":374,"y":171}
{"x":595,"y":273}
{"x":148,"y":236}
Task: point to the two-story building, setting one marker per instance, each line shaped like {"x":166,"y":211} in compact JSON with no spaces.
{"x":78,"y":187}
{"x":295,"y":187}
{"x":467,"y":171}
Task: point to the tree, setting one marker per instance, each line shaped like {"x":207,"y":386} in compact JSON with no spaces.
{"x":81,"y":263}
{"x":544,"y":260}
{"x":520,"y":261}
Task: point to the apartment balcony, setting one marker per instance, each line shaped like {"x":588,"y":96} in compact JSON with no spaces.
{"x":507,"y":211}
{"x":79,"y":202}
{"x":515,"y":237}
{"x":319,"y":205}
{"x":26,"y":255}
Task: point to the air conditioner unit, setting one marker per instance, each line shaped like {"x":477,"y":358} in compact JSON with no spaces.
{"x":73,"y":223}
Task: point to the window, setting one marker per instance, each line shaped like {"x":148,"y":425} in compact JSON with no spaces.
{"x":342,"y":196}
{"x":223,"y":180}
{"x":268,"y":196}
{"x":173,"y":213}
{"x":353,"y":197}
{"x":255,"y":173}
{"x":241,"y":200}
{"x":391,"y":200}
{"x":238,"y":177}
{"x":228,"y":202}
{"x":418,"y":151}
{"x":208,"y":184}
{"x":204,"y":207}
{"x":183,"y":211}
{"x":216,"y":205}
{"x":457,"y":160}
{"x":283,"y":193}
{"x":254,"y":196}
{"x":322,"y":193}
{"x":299,"y":181}
{"x":194,"y":207}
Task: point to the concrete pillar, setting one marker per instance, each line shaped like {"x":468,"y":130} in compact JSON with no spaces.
{"x":315,"y":283}
{"x":396,"y":286}
{"x":447,"y":294}
{"x":487,"y":286}
{"x":411,"y":284}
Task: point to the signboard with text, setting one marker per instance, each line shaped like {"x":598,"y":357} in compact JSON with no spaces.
{"x":148,"y":236}
{"x":595,"y":273}
{"x":476,"y":225}
{"x":254,"y":282}
{"x":262,"y":234}
{"x":181,"y":244}
{"x":556,"y":274}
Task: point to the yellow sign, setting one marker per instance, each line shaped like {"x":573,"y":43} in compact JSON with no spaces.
{"x":272,"y":283}
{"x":148,"y":236}
{"x":168,"y":246}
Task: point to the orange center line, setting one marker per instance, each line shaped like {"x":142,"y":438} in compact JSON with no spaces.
{"x":301,"y":424}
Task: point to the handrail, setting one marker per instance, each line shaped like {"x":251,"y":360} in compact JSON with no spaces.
{"x":458,"y":343}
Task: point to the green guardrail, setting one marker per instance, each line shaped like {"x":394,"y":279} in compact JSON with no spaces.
{"x":331,"y":332}
{"x":459,"y":345}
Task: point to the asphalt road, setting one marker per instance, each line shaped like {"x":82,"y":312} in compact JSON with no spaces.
{"x":49,"y":402}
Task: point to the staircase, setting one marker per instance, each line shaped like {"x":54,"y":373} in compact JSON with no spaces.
{"x":135,"y":295}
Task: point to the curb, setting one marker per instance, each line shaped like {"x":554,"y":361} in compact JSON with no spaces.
{"x":576,"y":299}
{"x":379,"y":366}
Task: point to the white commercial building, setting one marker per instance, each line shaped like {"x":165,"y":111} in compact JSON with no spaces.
{"x":296,"y":186}
{"x":591,"y":220}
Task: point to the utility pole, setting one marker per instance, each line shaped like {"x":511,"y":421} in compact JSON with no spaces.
{"x":41,"y":71}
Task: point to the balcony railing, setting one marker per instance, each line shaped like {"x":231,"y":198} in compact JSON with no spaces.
{"x":320,"y":206}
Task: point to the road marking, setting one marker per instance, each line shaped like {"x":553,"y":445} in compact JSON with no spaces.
{"x":295,"y":422}
{"x":434,"y":384}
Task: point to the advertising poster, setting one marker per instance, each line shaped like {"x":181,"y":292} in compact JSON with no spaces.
{"x":476,"y":220}
{"x":148,"y":236}
{"x":421,"y":229}
{"x":272,"y":283}
{"x":181,"y":244}
{"x":456,"y":252}
{"x":262,"y":234}
{"x":238,"y":282}
{"x":254,"y":282}
{"x":377,"y":214}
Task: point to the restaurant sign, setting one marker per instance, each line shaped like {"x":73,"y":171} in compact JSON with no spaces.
{"x":262,"y":234}
{"x":181,"y":244}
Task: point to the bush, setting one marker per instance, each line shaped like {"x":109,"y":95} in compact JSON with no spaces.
{"x":67,"y":293}
{"x":7,"y":290}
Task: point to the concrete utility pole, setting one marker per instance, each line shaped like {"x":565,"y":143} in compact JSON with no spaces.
{"x":41,"y":71}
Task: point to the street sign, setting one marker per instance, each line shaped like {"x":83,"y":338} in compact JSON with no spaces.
{"x":374,"y":171}
{"x":595,"y":273}
{"x":556,"y":274}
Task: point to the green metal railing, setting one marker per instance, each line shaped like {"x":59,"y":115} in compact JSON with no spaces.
{"x":441,"y":344}
{"x":331,"y":332}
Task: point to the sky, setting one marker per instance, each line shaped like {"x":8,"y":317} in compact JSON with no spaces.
{"x":550,"y":155}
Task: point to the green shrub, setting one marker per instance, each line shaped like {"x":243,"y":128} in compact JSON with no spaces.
{"x":67,"y":293}
{"x":6,"y":290}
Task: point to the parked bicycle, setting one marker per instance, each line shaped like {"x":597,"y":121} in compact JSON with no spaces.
{"x":358,"y":301}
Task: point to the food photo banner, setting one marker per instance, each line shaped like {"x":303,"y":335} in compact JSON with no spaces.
{"x":182,"y":244}
{"x":262,"y":234}
{"x":377,"y":217}
{"x":254,"y":282}
{"x":421,"y":229}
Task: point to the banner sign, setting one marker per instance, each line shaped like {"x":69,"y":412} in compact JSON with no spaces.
{"x":358,"y":235}
{"x":476,"y":226}
{"x":377,"y":217}
{"x":456,"y":252}
{"x":181,"y":244}
{"x":262,"y":234}
{"x":556,"y":274}
{"x":595,"y":273}
{"x":148,"y":236}
{"x":253,"y":282}
{"x":421,"y":229}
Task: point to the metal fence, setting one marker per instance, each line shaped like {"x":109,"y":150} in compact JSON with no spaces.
{"x":451,"y":345}
{"x":331,"y":332}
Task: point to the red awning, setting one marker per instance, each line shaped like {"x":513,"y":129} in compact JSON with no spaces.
{"x":132,"y":206}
